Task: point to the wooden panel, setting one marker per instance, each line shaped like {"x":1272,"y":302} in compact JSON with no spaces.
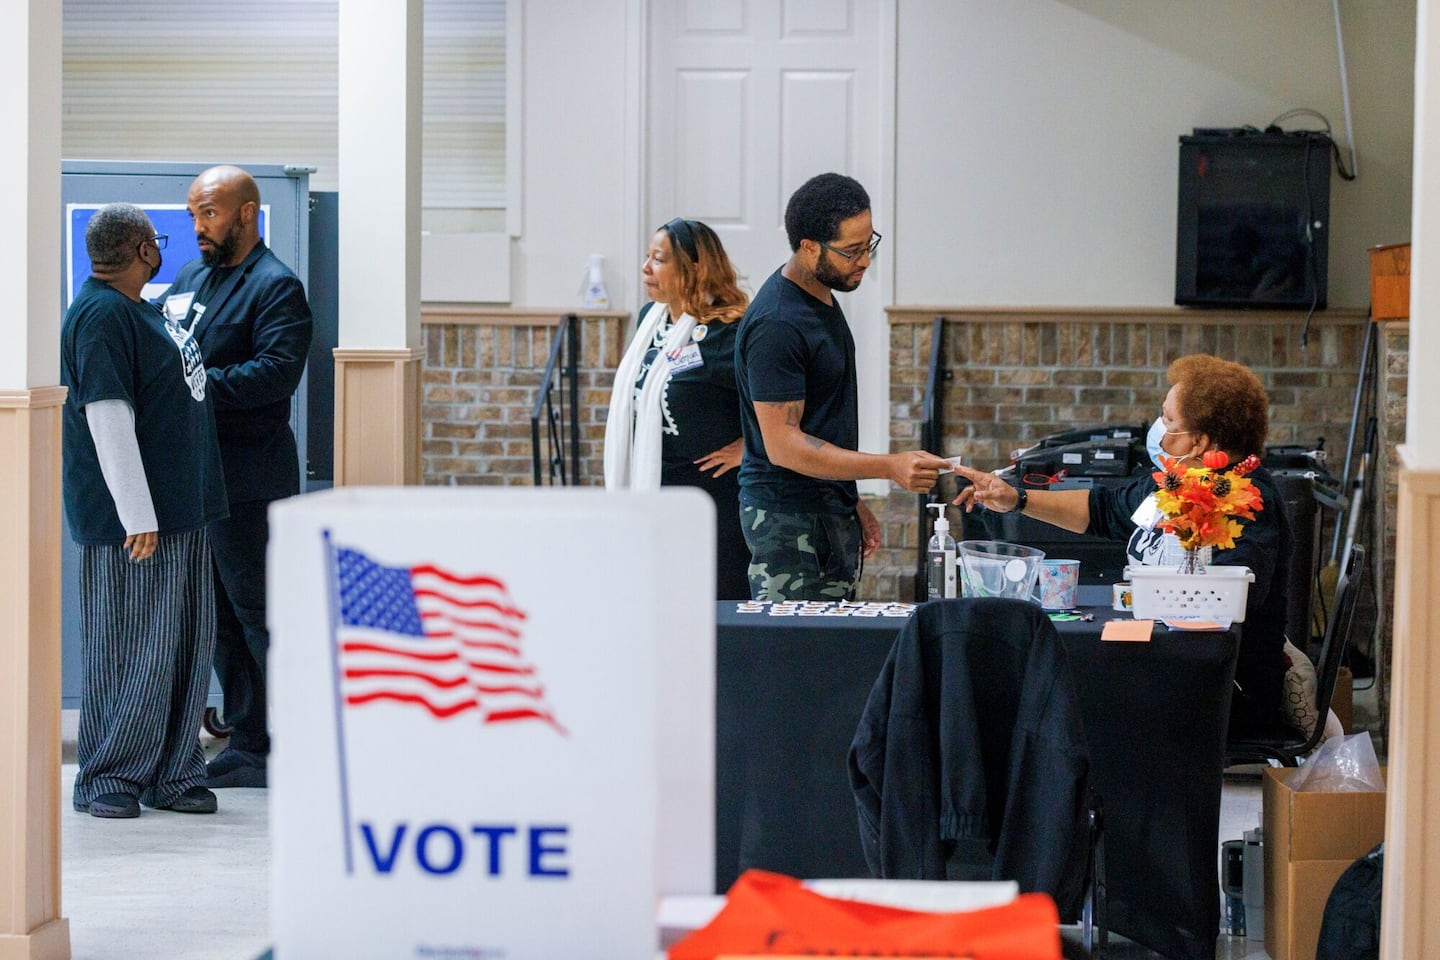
{"x":1412,"y":838}
{"x":1390,"y":282}
{"x":30,"y":492}
{"x":710,"y":148}
{"x":377,"y":417}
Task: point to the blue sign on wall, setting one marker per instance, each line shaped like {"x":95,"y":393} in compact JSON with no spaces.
{"x":169,"y":218}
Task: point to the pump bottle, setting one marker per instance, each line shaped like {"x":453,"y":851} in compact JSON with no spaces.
{"x":596,"y":297}
{"x":940,"y":574}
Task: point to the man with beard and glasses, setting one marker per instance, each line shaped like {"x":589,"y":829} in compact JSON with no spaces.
{"x":248,"y":312}
{"x":803,"y":520}
{"x":142,"y":481}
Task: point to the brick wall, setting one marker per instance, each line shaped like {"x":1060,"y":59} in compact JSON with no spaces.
{"x":1016,"y":376}
{"x":1020,"y":375}
{"x":479,"y":383}
{"x":1394,"y":392}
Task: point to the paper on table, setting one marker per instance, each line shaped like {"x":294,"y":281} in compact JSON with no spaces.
{"x":936,"y":896}
{"x":1133,"y":631}
{"x":1182,"y":623}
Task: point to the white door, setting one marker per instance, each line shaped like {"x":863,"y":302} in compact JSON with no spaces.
{"x":747,"y":100}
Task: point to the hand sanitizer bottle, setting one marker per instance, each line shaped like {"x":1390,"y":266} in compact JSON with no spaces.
{"x":596,"y":298}
{"x":941,"y":569}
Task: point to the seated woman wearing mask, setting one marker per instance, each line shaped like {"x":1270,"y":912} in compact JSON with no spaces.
{"x":1213,"y":404}
{"x":679,"y":423}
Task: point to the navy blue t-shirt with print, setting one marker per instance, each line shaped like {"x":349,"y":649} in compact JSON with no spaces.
{"x":114,"y":348}
{"x":791,"y":346}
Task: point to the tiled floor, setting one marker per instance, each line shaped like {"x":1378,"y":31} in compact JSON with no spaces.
{"x":184,"y":887}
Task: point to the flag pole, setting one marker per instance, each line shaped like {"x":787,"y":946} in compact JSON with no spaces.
{"x":333,"y":575}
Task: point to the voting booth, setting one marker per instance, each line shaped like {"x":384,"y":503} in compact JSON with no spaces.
{"x":494,"y":717}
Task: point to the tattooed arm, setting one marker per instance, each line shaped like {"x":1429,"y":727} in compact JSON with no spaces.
{"x":792,"y":448}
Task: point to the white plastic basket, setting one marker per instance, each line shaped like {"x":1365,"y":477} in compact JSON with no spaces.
{"x":1220,"y":593}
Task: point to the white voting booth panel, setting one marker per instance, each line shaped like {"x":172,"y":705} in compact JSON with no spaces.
{"x":494,"y":720}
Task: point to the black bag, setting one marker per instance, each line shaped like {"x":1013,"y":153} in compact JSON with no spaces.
{"x":1350,"y":928}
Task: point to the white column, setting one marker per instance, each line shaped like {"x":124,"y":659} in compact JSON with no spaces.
{"x":377,"y":397}
{"x":381,"y":60}
{"x":31,"y":927}
{"x":1410,"y":925}
{"x":1422,"y":427}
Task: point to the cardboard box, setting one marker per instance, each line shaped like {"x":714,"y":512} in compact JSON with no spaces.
{"x":1342,"y":701}
{"x":1310,"y":839}
{"x":1390,"y":282}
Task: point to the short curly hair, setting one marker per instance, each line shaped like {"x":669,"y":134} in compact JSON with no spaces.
{"x":822,"y":203}
{"x":1224,"y":400}
{"x":113,"y":234}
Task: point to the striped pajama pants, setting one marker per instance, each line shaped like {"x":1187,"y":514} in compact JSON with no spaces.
{"x":147,"y":633}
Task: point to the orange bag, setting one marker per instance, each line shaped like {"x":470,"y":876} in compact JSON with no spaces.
{"x":767,"y":914}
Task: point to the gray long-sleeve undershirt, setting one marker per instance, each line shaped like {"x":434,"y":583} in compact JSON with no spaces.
{"x":112,"y":427}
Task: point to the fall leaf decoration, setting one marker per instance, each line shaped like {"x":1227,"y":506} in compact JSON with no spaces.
{"x":1203,"y":506}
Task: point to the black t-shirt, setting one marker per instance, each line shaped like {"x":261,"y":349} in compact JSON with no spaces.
{"x":791,"y":346}
{"x":700,"y":409}
{"x":1265,"y":547}
{"x":113,"y":348}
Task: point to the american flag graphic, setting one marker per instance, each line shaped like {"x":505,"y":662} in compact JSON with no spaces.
{"x":434,"y":639}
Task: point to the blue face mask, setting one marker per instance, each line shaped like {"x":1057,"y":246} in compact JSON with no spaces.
{"x":1152,"y":442}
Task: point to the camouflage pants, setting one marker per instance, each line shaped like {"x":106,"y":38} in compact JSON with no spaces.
{"x":801,"y":556}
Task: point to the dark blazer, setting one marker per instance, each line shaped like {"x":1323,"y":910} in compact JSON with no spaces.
{"x":970,"y":760}
{"x":254,"y":332}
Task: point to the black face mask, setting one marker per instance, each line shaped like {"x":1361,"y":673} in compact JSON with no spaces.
{"x":155,"y":270}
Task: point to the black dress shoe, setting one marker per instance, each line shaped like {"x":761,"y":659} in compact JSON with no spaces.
{"x":194,"y":800}
{"x":111,"y":806}
{"x":236,"y":768}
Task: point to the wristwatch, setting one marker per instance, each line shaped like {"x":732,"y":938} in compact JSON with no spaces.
{"x":1022,"y":497}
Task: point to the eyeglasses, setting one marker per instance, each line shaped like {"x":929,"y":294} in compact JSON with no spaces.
{"x":870,"y":248}
{"x":160,"y":239}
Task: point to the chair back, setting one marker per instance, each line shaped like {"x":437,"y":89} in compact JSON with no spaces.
{"x":1337,"y":636}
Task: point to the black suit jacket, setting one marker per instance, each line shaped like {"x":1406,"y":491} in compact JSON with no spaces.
{"x":254,"y":331}
{"x":970,"y":760}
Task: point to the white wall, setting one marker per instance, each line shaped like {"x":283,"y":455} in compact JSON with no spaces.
{"x":1036,"y":147}
{"x":1037,"y":139}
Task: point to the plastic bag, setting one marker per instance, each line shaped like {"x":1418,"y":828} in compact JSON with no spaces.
{"x":1341,"y":765}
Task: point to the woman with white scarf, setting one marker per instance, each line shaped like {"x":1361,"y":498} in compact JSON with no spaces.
{"x":675,"y":411}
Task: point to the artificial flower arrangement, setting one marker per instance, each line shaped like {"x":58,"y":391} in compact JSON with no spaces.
{"x":1203,"y":506}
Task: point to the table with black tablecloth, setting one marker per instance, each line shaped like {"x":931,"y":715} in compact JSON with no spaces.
{"x":790,"y":691}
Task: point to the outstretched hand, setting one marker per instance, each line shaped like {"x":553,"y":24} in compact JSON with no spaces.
{"x":985,"y":490}
{"x":917,"y":470}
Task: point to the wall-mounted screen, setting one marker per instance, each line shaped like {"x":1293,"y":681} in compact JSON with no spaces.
{"x":1254,"y":217}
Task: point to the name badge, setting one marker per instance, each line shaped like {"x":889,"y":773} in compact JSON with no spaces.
{"x":178,"y":305}
{"x":1147,"y":514}
{"x":686,"y":358}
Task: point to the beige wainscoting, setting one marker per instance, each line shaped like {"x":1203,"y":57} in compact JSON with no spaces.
{"x":1410,"y":925}
{"x":31,"y":927}
{"x":377,"y":417}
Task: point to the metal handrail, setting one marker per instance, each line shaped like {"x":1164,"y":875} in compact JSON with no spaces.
{"x":558,"y":371}
{"x":932,"y":438}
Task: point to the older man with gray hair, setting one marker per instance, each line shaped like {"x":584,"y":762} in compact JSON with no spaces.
{"x":142,"y":479}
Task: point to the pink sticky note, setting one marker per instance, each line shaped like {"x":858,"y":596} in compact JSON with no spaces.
{"x":1131,"y":631}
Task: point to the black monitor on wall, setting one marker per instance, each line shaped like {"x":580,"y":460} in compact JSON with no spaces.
{"x":1254,"y":217}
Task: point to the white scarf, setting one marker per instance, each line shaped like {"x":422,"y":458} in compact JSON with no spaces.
{"x":632,"y":429}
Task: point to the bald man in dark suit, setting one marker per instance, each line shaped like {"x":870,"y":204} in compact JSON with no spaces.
{"x":249,"y":314}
